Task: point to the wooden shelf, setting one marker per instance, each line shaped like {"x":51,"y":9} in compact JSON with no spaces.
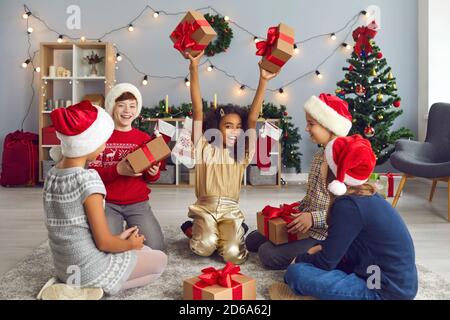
{"x":70,"y":56}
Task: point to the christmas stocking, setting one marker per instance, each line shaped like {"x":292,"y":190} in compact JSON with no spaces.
{"x":166,"y":131}
{"x":183,"y":149}
{"x":269,"y":135}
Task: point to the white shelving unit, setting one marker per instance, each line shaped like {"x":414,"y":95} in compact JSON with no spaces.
{"x":74,"y":88}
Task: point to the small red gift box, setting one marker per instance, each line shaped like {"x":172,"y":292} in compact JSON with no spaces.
{"x":225,"y":284}
{"x":49,"y":136}
{"x":192,"y":34}
{"x":272,"y":223}
{"x":277,"y":49}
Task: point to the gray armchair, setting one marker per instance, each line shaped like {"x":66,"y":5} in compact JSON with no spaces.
{"x":430,"y":159}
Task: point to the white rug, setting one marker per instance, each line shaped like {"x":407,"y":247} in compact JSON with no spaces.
{"x":25,"y":280}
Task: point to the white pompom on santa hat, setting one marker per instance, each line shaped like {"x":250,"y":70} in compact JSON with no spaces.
{"x":117,"y":91}
{"x":82,"y":128}
{"x":351,"y":159}
{"x":331,"y":112}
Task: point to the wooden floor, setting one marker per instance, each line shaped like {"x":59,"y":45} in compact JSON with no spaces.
{"x":22,"y":228}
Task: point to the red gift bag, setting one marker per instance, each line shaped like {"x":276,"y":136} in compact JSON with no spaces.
{"x":20,"y":165}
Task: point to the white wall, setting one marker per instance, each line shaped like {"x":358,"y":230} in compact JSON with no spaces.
{"x":434,"y":57}
{"x":439,"y":51}
{"x":152,"y":51}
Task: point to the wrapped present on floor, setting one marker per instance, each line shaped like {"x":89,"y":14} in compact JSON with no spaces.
{"x":192,"y":34}
{"x":149,"y":154}
{"x":225,"y":284}
{"x":277,"y":49}
{"x":272,"y":223}
{"x":388,"y":184}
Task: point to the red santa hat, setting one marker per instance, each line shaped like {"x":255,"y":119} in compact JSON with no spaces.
{"x":351,"y":160}
{"x":117,"y":91}
{"x":331,"y":112}
{"x":82,"y":128}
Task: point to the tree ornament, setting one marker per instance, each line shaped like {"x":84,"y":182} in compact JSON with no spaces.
{"x":360,"y":90}
{"x":285,"y":113}
{"x":380,"y":117}
{"x":338,"y":90}
{"x":390,"y":75}
{"x":354,"y":120}
{"x":394,"y":86}
{"x":374,"y":72}
{"x":397,"y":104}
{"x":380,"y":97}
{"x":351,"y":68}
{"x":379,"y":55}
{"x":369,"y":132}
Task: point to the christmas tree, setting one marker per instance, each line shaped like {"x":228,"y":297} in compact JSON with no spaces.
{"x":370,"y":90}
{"x":289,"y":141}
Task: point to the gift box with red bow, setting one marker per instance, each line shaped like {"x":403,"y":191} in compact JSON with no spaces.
{"x":149,"y":154}
{"x":272,"y":223}
{"x":220,"y":284}
{"x":277,"y":49}
{"x":192,"y":34}
{"x":388,"y":184}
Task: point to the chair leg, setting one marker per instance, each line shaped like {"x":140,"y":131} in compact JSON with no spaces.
{"x":399,"y":191}
{"x":448,"y":218}
{"x":433,"y":189}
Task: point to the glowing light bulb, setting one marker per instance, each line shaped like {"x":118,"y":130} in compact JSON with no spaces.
{"x":155,"y":14}
{"x":130,"y":28}
{"x":25,"y":63}
{"x":145,"y":80}
{"x":333,"y":36}
{"x":60,"y":39}
{"x":226,"y":18}
{"x":187,"y":82}
{"x":83,"y":39}
{"x":318,"y":74}
{"x":118,"y":57}
{"x":30,"y":30}
{"x":296,"y":49}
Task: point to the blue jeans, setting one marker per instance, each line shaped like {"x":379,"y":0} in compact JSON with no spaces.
{"x":307,"y":280}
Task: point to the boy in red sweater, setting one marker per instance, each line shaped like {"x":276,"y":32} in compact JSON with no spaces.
{"x":127,"y":193}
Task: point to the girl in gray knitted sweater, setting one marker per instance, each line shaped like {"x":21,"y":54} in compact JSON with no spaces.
{"x":85,"y":253}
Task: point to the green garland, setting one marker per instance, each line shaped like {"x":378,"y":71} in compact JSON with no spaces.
{"x":290,"y":136}
{"x":224,"y":35}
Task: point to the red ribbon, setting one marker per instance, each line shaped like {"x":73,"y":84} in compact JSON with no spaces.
{"x":264,"y":48}
{"x":362,"y":36}
{"x":183,"y":33}
{"x":390,"y":176}
{"x":212,"y":276}
{"x":284,"y":212}
{"x":148,"y":154}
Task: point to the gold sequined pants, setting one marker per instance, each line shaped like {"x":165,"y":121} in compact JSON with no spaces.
{"x":218,"y":226}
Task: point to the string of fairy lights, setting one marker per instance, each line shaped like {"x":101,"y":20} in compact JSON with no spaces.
{"x":211,"y":66}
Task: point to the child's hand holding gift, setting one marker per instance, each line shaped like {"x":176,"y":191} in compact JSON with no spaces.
{"x":302,"y":223}
{"x":153,"y":170}
{"x":266,"y":75}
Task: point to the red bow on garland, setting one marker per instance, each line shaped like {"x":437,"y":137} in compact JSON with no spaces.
{"x":362,"y":36}
{"x":183,"y":33}
{"x":222,"y":277}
